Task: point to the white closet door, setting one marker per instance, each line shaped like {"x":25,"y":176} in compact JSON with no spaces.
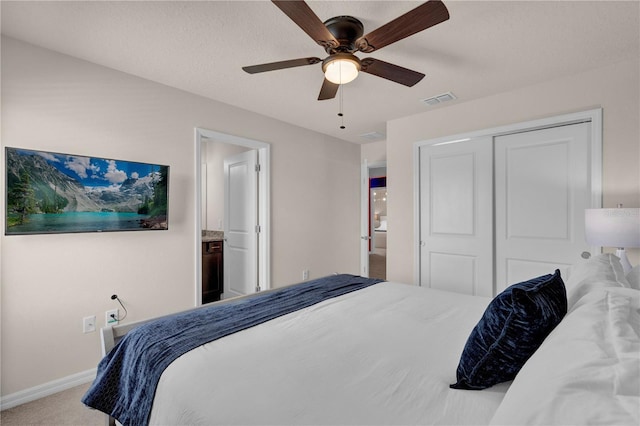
{"x":456,"y":223}
{"x":542,"y":188}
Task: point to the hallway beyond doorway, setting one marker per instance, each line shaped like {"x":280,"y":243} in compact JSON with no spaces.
{"x":378,"y":264}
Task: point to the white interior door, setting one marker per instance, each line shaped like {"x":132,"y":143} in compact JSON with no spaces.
{"x":542,"y":188}
{"x":456,"y":222}
{"x":240,"y":224}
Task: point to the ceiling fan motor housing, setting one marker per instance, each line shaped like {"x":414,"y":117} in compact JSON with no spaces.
{"x":346,"y":29}
{"x":341,"y":56}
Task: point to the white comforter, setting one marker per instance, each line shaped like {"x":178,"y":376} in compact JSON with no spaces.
{"x":587,"y":371}
{"x":382,"y":355}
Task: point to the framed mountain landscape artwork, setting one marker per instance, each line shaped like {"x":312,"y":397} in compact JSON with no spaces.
{"x":49,"y":192}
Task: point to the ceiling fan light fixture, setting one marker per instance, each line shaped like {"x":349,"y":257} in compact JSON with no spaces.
{"x":341,"y":68}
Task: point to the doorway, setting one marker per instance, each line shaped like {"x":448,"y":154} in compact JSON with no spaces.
{"x":213,"y":218}
{"x":374,"y":220}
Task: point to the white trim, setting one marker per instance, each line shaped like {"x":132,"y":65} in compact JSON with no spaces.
{"x":46,"y":389}
{"x":594,"y":116}
{"x":596,"y":158}
{"x":596,"y":164}
{"x":264,"y":205}
{"x":364,"y":218}
{"x":417,"y":232}
{"x":197,"y":256}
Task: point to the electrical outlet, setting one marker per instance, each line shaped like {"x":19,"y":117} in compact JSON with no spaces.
{"x":111,"y":317}
{"x":305,"y":275}
{"x":89,"y":324}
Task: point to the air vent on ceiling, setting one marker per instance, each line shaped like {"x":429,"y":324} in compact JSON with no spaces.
{"x":435,"y":100}
{"x":372,"y":136}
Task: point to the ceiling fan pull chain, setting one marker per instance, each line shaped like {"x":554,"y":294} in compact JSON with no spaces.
{"x":340,"y":114}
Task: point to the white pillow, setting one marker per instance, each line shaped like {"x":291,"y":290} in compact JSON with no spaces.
{"x":603,"y":270}
{"x":587,"y":371}
{"x":633,"y":277}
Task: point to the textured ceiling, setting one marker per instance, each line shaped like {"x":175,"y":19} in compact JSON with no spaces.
{"x":485,"y":48}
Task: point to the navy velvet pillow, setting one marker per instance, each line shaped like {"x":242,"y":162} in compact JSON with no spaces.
{"x":513,"y":326}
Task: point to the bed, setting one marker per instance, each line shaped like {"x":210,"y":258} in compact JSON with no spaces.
{"x":381,"y":225}
{"x":369,"y":352}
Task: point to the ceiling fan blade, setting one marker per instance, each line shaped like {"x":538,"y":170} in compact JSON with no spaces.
{"x":422,"y":17}
{"x":300,"y":13}
{"x":328,"y":90}
{"x":391,"y":72}
{"x":272,"y":66}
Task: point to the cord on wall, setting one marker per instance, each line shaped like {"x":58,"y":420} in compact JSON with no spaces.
{"x":115,"y":297}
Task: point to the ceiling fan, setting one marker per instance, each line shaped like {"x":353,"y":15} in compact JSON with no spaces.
{"x":343,"y":35}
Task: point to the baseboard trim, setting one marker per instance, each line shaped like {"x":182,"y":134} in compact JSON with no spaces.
{"x":46,"y":389}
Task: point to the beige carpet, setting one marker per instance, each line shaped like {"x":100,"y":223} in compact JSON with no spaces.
{"x":63,"y":408}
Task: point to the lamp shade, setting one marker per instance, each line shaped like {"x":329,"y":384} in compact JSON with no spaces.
{"x":341,"y":68}
{"x":613,"y":227}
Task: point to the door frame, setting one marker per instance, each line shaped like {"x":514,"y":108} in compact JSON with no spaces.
{"x":365,"y":213}
{"x":264,"y":203}
{"x":592,"y":116}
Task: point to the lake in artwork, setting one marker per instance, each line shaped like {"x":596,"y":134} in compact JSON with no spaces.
{"x":79,"y":222}
{"x":55,"y":193}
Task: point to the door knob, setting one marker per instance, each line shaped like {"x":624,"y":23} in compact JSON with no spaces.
{"x":585,"y":255}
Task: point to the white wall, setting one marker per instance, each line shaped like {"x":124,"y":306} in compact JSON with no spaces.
{"x":374,"y":152}
{"x":615,"y":88}
{"x":57,"y":103}
{"x":213,"y":155}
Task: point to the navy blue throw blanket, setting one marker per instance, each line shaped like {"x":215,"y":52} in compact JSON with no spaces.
{"x":127,"y":377}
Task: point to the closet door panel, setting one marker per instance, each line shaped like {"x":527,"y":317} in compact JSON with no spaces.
{"x":454,"y":272}
{"x":456,"y":224}
{"x":452,"y":191}
{"x":541,"y":191}
{"x":537,"y":186}
{"x":518,"y":270}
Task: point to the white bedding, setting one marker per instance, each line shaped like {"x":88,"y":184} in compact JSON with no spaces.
{"x":387,"y":354}
{"x":382,"y":355}
{"x":382,"y":225}
{"x":587,"y":371}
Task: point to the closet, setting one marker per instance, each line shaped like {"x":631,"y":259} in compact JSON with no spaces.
{"x":499,"y":208}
